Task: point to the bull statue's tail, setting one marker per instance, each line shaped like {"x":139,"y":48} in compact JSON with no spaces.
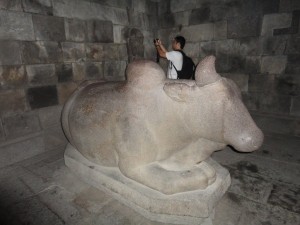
{"x":206,"y":72}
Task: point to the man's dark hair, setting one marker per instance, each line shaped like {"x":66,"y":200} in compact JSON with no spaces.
{"x":181,"y":40}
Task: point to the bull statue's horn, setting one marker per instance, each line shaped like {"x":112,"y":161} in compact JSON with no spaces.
{"x":206,"y":72}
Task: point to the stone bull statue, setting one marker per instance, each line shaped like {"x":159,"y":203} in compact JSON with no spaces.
{"x":157,"y":131}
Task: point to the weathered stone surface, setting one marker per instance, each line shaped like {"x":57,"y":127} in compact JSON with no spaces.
{"x":89,"y":10}
{"x":16,"y":26}
{"x":287,"y":84}
{"x":273,"y":21}
{"x":253,"y":64}
{"x":177,"y":5}
{"x":240,"y":79}
{"x":119,"y":34}
{"x":12,"y":101}
{"x":116,"y":52}
{"x":50,"y":116}
{"x":250,"y":46}
{"x":261,"y":83}
{"x":78,"y":71}
{"x":64,"y":72}
{"x":200,"y":15}
{"x":100,"y":31}
{"x":41,"y":52}
{"x":293,"y":66}
{"x":38,"y":6}
{"x":95,"y":52}
{"x":2,"y":136}
{"x":243,"y":26}
{"x":121,"y":3}
{"x":20,"y":124}
{"x":207,"y":48}
{"x":138,"y":19}
{"x":274,"y":45}
{"x":114,"y":70}
{"x":192,"y":49}
{"x":10,"y":53}
{"x":73,"y":51}
{"x":228,"y":47}
{"x":293,"y":45}
{"x":202,"y":32}
{"x":295,"y":110}
{"x":16,"y":152}
{"x":54,"y":138}
{"x":94,"y":70}
{"x":286,"y":196}
{"x":220,"y":30}
{"x":273,"y":64}
{"x":40,"y":97}
{"x":15,"y":5}
{"x":64,"y":91}
{"x":41,"y":74}
{"x":12,"y":76}
{"x":226,"y":63}
{"x":49,"y":28}
{"x":76,"y":30}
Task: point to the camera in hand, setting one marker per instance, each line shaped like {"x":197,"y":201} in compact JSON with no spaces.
{"x":155,"y":40}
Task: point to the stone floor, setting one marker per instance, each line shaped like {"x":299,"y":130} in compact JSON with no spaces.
{"x":265,"y":190}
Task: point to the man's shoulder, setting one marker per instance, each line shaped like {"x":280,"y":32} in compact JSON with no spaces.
{"x":173,"y":54}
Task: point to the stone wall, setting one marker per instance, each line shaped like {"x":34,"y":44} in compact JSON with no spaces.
{"x":257,"y":44}
{"x":47,"y":48}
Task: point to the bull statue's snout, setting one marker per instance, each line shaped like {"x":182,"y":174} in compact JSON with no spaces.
{"x":248,"y":141}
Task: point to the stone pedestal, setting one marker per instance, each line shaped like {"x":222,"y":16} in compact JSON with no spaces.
{"x":193,"y":208}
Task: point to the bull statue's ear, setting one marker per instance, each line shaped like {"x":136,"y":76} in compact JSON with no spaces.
{"x":180,"y":92}
{"x":206,"y":71}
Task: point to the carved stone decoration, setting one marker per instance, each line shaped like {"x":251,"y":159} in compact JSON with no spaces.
{"x":148,"y":140}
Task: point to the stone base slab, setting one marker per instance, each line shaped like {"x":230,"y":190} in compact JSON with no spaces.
{"x":193,"y":207}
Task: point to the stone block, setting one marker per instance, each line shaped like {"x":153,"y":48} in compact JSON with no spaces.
{"x":220,"y":30}
{"x":41,"y":74}
{"x":181,"y":19}
{"x":295,"y":109}
{"x":54,"y":138}
{"x":201,"y":32}
{"x":138,"y":19}
{"x":274,"y":45}
{"x":41,"y":52}
{"x":240,"y":79}
{"x":40,"y":97}
{"x":75,"y":29}
{"x":293,"y":66}
{"x":49,"y":28}
{"x":166,"y":20}
{"x":261,"y":83}
{"x":207,"y":48}
{"x":16,"y":26}
{"x":19,"y":151}
{"x":287,"y":84}
{"x":117,"y":3}
{"x":245,"y":26}
{"x":194,"y":207}
{"x":178,"y":6}
{"x":119,"y":34}
{"x":273,"y":21}
{"x":114,"y":70}
{"x":10,"y":53}
{"x":273,"y":64}
{"x":118,"y":51}
{"x":191,"y":49}
{"x":293,"y":45}
{"x":100,"y":31}
{"x":200,"y":15}
{"x":73,"y":51}
{"x":20,"y":124}
{"x":251,"y":46}
{"x":253,"y":64}
{"x":64,"y":91}
{"x":95,"y":52}
{"x":50,"y":116}
{"x":229,"y":47}
{"x":226,"y":63}
{"x":94,"y":70}
{"x":38,"y":6}
{"x":2,"y":136}
{"x":15,"y":5}
{"x":12,"y":101}
{"x":12,"y":77}
{"x":64,"y":72}
{"x":78,"y":71}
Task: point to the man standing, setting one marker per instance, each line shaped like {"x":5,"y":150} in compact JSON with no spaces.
{"x":175,"y":57}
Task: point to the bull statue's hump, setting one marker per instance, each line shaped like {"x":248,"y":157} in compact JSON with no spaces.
{"x":205,"y":72}
{"x":145,"y":73}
